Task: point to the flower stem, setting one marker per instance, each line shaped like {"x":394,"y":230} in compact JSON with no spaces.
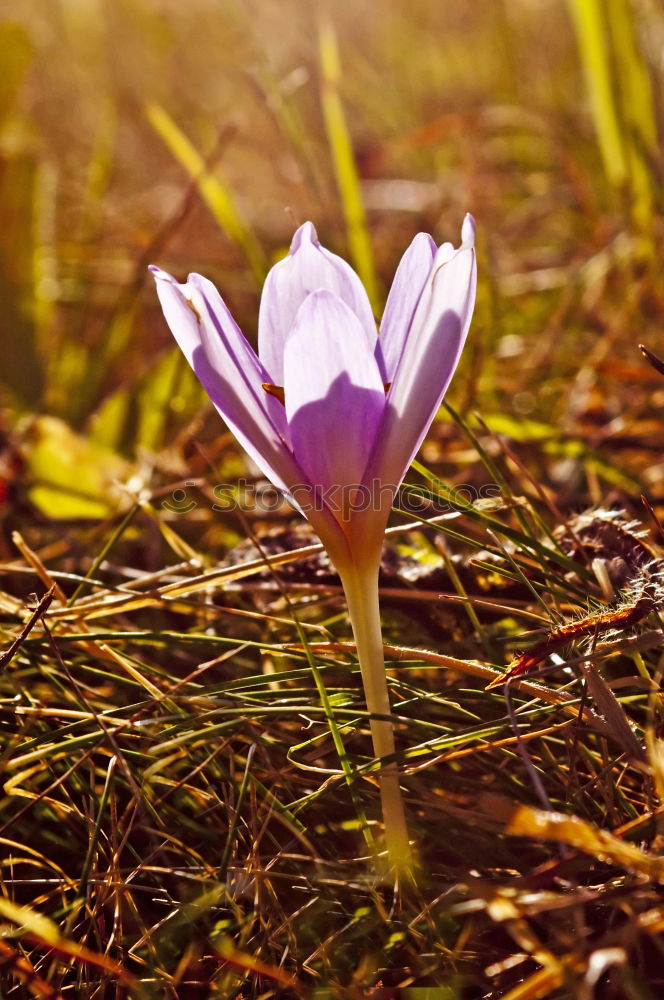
{"x":361,"y":589}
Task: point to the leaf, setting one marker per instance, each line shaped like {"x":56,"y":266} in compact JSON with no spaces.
{"x":575,"y":832}
{"x":72,"y":477}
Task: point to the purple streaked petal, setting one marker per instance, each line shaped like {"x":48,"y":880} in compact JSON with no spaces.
{"x":307,"y":268}
{"x":250,"y":369}
{"x":228,"y":370}
{"x":334,"y":392}
{"x":407,"y":286}
{"x":231,"y":374}
{"x":428,"y":361}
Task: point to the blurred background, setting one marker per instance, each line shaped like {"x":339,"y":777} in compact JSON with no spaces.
{"x":198,"y":135}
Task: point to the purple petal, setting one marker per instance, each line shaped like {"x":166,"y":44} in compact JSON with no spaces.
{"x":250,"y":370}
{"x":231,"y":374}
{"x":468,"y":232}
{"x":334,"y":394}
{"x":429,"y":358}
{"x":307,"y":268}
{"x":409,"y":280}
{"x":229,"y":371}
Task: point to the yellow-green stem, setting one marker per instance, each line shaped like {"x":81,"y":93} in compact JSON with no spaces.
{"x":361,"y":589}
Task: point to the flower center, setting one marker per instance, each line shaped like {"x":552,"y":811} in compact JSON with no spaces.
{"x":275,"y":390}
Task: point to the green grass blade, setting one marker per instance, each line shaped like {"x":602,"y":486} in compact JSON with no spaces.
{"x":591,"y":32}
{"x":343,"y":160}
{"x":215,"y":193}
{"x":635,"y":97}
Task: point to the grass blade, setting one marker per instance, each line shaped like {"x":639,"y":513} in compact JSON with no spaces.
{"x":343,"y":160}
{"x":215,"y":193}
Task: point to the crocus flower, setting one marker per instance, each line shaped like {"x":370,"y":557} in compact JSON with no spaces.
{"x":333,"y":412}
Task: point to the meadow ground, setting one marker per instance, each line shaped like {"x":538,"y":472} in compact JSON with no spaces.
{"x":188,"y":804}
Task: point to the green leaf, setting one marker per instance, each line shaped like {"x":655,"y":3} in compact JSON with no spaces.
{"x":72,"y":477}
